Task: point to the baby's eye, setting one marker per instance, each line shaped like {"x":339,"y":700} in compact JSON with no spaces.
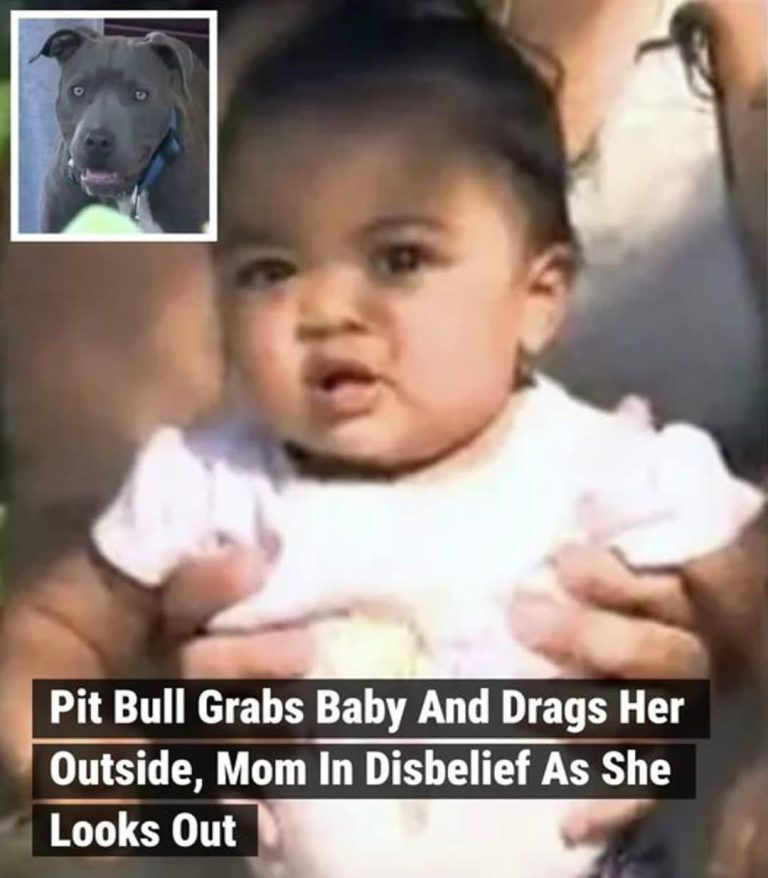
{"x":400,"y":260}
{"x":265,"y":273}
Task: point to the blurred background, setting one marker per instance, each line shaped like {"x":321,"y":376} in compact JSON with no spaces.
{"x":81,"y":324}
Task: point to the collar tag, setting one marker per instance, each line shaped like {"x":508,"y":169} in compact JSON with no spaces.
{"x":135,"y":203}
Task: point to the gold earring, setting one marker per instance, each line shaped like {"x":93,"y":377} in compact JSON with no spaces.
{"x":525,"y":369}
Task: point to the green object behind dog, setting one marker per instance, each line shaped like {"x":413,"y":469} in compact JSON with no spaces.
{"x":96,"y":219}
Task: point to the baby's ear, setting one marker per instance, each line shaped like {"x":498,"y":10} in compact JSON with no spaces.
{"x":549,"y":281}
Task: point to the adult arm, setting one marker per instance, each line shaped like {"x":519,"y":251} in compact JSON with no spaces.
{"x":81,"y":619}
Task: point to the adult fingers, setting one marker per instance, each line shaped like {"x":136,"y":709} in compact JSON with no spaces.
{"x":728,"y":590}
{"x":199,"y":589}
{"x":274,"y":653}
{"x":602,"y":643}
{"x":589,"y":822}
{"x":599,"y":577}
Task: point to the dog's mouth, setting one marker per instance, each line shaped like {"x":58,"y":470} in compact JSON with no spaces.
{"x":100,"y":183}
{"x":103,"y":182}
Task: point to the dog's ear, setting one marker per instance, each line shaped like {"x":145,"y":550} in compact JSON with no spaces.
{"x":63,"y":44}
{"x":176,"y":56}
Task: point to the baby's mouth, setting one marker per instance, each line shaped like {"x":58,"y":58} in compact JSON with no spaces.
{"x":342,"y":388}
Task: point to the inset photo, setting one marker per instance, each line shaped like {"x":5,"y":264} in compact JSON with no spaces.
{"x":113,"y":125}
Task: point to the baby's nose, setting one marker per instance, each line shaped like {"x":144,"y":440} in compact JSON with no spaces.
{"x":331,"y":302}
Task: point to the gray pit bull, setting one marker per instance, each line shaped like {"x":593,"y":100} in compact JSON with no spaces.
{"x":133,"y":117}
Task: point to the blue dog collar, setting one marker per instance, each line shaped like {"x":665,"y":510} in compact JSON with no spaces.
{"x":168,"y":150}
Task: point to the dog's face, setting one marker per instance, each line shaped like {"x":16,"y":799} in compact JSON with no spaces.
{"x":115,"y":102}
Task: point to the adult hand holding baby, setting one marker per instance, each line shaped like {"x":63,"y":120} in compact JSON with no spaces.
{"x":613,"y":623}
{"x":618,"y":624}
{"x":196,"y":592}
{"x":708,"y":622}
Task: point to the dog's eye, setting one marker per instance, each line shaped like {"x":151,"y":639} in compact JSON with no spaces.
{"x":141,"y":94}
{"x":78,"y":91}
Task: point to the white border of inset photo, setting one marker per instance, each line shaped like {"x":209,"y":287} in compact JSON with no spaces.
{"x":212,"y":229}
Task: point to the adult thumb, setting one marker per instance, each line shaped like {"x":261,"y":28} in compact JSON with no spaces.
{"x":203,"y":586}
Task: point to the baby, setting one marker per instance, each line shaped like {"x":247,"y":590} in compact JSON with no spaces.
{"x":395,"y":251}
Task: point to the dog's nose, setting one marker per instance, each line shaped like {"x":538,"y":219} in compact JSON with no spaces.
{"x":99,"y":143}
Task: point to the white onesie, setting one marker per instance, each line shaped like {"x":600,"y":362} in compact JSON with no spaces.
{"x":445,"y":556}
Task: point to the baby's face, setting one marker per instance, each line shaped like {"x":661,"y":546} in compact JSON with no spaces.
{"x":377,"y":285}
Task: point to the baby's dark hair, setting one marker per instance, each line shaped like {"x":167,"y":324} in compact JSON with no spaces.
{"x":445,"y":52}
